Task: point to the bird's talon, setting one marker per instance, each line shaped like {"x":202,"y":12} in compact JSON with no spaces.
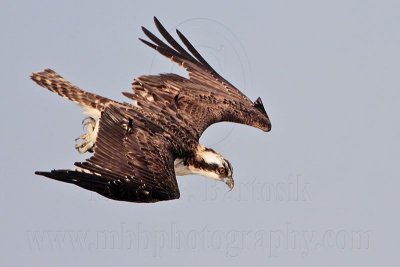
{"x":89,"y":122}
{"x":88,"y":138}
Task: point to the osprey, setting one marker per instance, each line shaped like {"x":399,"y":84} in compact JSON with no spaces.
{"x":139,"y":147}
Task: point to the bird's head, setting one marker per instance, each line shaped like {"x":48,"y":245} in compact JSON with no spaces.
{"x":209,"y":163}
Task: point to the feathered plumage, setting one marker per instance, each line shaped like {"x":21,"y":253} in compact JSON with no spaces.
{"x":138,"y":149}
{"x":206,"y":97}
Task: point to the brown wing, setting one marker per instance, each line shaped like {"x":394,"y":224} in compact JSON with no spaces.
{"x":205,"y":98}
{"x":132,"y":160}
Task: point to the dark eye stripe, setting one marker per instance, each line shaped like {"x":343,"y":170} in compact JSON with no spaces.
{"x":201,"y":164}
{"x":229,"y":165}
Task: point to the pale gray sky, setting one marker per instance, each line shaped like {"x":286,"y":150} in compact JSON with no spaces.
{"x":321,"y":189}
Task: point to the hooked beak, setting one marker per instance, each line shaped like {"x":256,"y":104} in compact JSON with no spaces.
{"x":229,"y":182}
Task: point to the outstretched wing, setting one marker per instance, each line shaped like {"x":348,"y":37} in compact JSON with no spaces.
{"x":206,"y":97}
{"x":132,"y":161}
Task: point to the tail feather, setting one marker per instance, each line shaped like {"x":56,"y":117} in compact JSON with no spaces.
{"x":57,"y":84}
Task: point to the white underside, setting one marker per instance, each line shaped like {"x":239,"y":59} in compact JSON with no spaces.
{"x":181,"y":169}
{"x":88,"y":139}
{"x":95,"y":114}
{"x":91,"y":112}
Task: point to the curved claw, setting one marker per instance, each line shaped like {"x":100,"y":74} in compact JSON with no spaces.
{"x":88,"y":138}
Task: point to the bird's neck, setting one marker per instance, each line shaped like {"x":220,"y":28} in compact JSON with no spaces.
{"x":202,"y":162}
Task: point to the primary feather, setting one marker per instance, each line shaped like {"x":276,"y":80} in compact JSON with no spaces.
{"x":140,"y":147}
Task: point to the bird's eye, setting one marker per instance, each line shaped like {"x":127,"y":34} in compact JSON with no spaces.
{"x":221,"y":170}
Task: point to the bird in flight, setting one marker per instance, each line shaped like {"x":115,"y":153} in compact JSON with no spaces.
{"x":140,"y":146}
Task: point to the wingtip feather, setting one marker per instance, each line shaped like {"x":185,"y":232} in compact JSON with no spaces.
{"x":156,"y":21}
{"x":148,"y":43}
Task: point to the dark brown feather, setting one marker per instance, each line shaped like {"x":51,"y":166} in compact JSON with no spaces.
{"x":206,"y":97}
{"x":136,"y":166}
{"x":136,"y":147}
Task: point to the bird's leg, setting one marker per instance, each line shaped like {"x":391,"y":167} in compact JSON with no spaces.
{"x":88,"y":138}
